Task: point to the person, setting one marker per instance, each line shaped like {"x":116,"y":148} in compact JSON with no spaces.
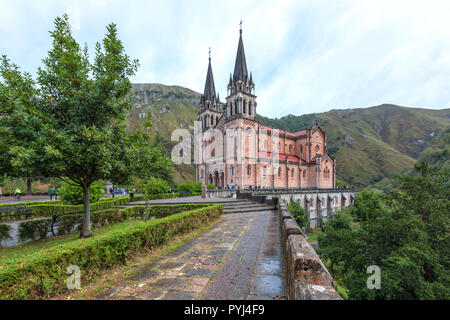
{"x":132,"y":194}
{"x":17,"y":193}
{"x":118,"y":191}
{"x":53,"y":193}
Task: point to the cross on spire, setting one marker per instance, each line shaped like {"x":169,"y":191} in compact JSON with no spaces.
{"x":240,"y":26}
{"x":209,"y":53}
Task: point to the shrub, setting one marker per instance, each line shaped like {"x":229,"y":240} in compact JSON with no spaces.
{"x":4,"y":232}
{"x":191,"y":187}
{"x":34,"y":230}
{"x":156,"y":186}
{"x":211,"y":187}
{"x":299,"y":214}
{"x":95,"y":254}
{"x":74,"y":194}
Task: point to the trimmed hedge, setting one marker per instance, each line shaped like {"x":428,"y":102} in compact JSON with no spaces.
{"x":4,"y":232}
{"x":39,"y":229}
{"x":30,"y":203}
{"x":158,"y":211}
{"x":43,"y":274}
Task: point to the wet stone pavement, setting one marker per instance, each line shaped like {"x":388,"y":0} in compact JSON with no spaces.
{"x":240,"y":258}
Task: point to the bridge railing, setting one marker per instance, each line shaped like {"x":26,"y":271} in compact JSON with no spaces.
{"x":307,"y":278}
{"x":221,"y":193}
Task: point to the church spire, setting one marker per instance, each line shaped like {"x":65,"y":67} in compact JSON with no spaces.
{"x":240,"y":67}
{"x":210,"y":90}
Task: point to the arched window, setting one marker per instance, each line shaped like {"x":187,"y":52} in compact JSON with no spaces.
{"x":249,"y":108}
{"x":232,"y":171}
{"x":248,"y":170}
{"x":213,"y":152}
{"x":304,"y":173}
{"x":235,"y":108}
{"x":301,"y":149}
{"x":279,"y":172}
{"x":217,"y":120}
{"x":264,"y":171}
{"x":290,"y":148}
{"x":292,"y":173}
{"x":245,"y":106}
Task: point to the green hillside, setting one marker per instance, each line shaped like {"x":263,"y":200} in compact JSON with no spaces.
{"x":170,"y":107}
{"x":370,"y":144}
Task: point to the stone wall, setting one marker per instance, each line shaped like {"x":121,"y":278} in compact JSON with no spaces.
{"x":306,"y":276}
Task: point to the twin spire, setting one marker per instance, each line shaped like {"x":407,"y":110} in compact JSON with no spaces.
{"x":240,"y":74}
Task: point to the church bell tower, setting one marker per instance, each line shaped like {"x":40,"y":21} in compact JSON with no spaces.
{"x":241,"y":100}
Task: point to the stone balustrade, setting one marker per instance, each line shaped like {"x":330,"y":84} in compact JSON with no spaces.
{"x":307,"y":278}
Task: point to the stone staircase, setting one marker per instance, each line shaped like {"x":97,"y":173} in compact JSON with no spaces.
{"x":243,"y":206}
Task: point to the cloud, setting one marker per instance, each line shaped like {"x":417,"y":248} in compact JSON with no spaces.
{"x":74,"y":13}
{"x":306,"y":56}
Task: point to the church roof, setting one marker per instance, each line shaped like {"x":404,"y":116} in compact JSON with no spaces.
{"x":240,"y":67}
{"x":210,"y":89}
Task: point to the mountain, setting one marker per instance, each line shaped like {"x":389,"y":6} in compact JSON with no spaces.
{"x":370,"y":144}
{"x":170,"y":108}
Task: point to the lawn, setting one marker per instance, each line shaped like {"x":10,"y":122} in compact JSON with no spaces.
{"x":16,"y":255}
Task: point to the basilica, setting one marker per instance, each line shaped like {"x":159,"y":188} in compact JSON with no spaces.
{"x":238,"y":152}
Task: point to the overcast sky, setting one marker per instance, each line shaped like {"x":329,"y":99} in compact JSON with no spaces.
{"x":306,"y":56}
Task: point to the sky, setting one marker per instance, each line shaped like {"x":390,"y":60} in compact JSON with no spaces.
{"x":306,"y":56}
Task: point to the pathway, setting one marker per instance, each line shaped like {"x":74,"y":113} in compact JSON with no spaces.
{"x":239,"y":258}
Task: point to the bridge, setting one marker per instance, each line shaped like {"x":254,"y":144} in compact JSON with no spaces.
{"x":256,"y":251}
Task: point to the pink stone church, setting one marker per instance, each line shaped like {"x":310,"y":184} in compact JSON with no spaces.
{"x":238,"y":152}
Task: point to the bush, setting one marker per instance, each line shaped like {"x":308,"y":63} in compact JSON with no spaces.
{"x":74,"y":194}
{"x":299,"y":214}
{"x":191,"y":187}
{"x":42,"y":275}
{"x":34,"y":230}
{"x":211,"y":187}
{"x":157,"y":211}
{"x":156,"y":186}
{"x":4,"y":232}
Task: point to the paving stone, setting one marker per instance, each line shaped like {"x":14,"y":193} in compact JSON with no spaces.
{"x":144,"y":274}
{"x":150,"y":294}
{"x":193,"y":288}
{"x":180,"y":296}
{"x":267,"y":285}
{"x":200,"y":281}
{"x":198,"y":272}
{"x":169,"y":283}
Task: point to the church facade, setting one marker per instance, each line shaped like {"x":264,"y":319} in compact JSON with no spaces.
{"x":237,"y":151}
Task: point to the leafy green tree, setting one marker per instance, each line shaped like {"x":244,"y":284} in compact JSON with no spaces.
{"x":73,"y":194}
{"x":367,"y":205}
{"x":299,"y":214}
{"x":408,"y":238}
{"x":156,"y":186}
{"x":211,"y":186}
{"x":71,"y":123}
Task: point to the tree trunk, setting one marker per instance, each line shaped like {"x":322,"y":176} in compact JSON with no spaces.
{"x":29,"y":185}
{"x":86,"y":231}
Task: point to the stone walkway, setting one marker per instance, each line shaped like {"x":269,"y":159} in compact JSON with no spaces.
{"x":240,"y":258}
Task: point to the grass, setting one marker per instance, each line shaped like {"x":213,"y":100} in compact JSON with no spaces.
{"x":16,"y":255}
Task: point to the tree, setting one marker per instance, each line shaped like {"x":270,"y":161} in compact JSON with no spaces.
{"x":408,"y":238}
{"x":299,"y":214}
{"x":73,"y":119}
